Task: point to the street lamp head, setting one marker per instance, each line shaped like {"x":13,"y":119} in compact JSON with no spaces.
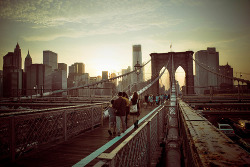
{"x":137,"y":68}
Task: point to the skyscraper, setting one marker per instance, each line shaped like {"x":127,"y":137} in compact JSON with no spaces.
{"x":112,"y":75}
{"x":17,"y":61}
{"x":77,"y":68}
{"x":50,"y":58}
{"x":28,"y":62}
{"x":62,"y":66}
{"x":106,"y":85}
{"x":226,"y":70}
{"x":77,"y":77}
{"x":80,"y":68}
{"x":210,"y":59}
{"x":1,"y":83}
{"x":12,"y":73}
{"x":137,"y":59}
{"x":38,"y":79}
{"x":59,"y":81}
{"x":104,"y":75}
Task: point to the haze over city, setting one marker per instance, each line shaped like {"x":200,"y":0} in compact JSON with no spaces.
{"x":101,"y":33}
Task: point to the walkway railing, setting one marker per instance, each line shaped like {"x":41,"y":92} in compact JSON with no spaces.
{"x":137,"y":149}
{"x":20,"y":134}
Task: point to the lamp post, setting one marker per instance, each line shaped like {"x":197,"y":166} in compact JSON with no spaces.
{"x":35,"y":89}
{"x":239,"y":87}
{"x":137,"y":71}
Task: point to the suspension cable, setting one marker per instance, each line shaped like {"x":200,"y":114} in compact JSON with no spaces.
{"x":150,"y":84}
{"x":219,"y":74}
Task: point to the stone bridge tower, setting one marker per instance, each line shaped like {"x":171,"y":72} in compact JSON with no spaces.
{"x":183,"y":59}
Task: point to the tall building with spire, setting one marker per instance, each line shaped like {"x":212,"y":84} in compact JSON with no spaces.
{"x":12,"y":73}
{"x":28,"y":62}
{"x":17,"y":61}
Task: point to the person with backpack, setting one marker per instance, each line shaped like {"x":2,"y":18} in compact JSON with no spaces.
{"x":125,"y":96}
{"x":120,"y":105}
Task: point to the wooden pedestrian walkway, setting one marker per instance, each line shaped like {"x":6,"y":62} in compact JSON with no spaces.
{"x":71,"y":152}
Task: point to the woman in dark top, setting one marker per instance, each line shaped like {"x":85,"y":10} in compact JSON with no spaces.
{"x":135,"y":115}
{"x":125,"y":96}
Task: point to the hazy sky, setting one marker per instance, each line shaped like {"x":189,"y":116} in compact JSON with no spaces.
{"x":100,"y":33}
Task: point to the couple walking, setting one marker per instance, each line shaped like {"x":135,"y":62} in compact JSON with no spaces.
{"x":121,"y":107}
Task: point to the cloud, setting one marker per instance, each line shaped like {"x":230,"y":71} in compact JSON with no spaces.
{"x":43,"y":12}
{"x":57,"y":12}
{"x":52,"y":19}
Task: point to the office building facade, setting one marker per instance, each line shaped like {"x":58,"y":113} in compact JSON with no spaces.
{"x":204,"y":79}
{"x":105,"y":75}
{"x":50,"y":58}
{"x":1,"y":83}
{"x":62,"y":66}
{"x":59,"y":81}
{"x":12,"y":73}
{"x":227,"y":72}
{"x":38,"y":79}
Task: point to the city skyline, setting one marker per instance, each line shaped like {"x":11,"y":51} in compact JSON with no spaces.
{"x":101,"y":34}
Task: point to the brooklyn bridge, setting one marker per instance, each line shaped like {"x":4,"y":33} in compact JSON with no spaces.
{"x":179,"y":131}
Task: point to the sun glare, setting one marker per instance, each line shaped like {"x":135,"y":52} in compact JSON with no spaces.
{"x":108,"y":60}
{"x":180,"y":76}
{"x":105,"y":65}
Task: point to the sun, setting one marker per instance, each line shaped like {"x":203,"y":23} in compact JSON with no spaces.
{"x":106,"y":65}
{"x":108,"y":60}
{"x":110,"y":57}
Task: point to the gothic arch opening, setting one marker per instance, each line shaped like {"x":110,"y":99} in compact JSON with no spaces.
{"x":180,"y":76}
{"x":173,"y":60}
{"x":164,"y":82}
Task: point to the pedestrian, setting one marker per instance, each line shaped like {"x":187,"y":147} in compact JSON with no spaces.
{"x":162,"y":98}
{"x":157,"y":99}
{"x":166,"y":97}
{"x":153,"y":100}
{"x":146,"y":100}
{"x":125,"y":96}
{"x":150,"y":98}
{"x":112,"y":118}
{"x":135,"y":109}
{"x":120,"y":106}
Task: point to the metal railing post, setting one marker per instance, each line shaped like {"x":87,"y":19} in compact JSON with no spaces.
{"x":149,"y":142}
{"x":102,"y":116}
{"x":165,"y":118}
{"x":238,"y":90}
{"x":12,"y":139}
{"x":158,"y":127}
{"x":65,"y":125}
{"x":92,"y":119}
